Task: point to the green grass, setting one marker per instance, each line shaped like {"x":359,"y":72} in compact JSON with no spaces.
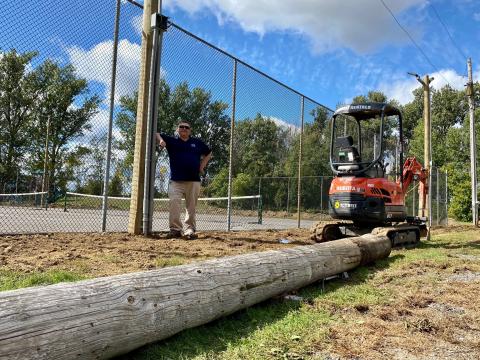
{"x":11,"y":280}
{"x":172,"y":261}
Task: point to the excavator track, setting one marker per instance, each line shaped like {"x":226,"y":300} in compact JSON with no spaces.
{"x":401,"y":235}
{"x":324,"y":231}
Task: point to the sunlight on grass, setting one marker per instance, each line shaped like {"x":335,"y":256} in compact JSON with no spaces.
{"x":172,"y":261}
{"x":10,"y":280}
{"x":264,"y":331}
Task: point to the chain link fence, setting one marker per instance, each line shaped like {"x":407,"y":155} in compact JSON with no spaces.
{"x":56,"y":61}
{"x":439,"y":198}
{"x":58,"y":96}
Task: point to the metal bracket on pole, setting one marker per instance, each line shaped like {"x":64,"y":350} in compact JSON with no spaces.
{"x":159,"y":21}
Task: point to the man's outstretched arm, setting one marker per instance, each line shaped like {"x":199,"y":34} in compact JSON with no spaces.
{"x":204,"y":162}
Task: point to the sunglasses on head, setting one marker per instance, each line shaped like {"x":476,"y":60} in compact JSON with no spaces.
{"x":183,"y":127}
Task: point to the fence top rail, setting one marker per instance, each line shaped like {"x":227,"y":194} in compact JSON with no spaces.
{"x":165,"y":199}
{"x":23,"y":194}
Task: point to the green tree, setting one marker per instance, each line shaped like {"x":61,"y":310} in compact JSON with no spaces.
{"x":260,"y":147}
{"x":412,"y":115}
{"x":60,"y":91}
{"x":115,"y":187}
{"x":315,"y":160}
{"x":18,"y":95}
{"x":207,"y":116}
{"x":449,"y":109}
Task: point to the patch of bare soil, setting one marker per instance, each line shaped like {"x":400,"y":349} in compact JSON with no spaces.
{"x":96,"y":255}
{"x":433,"y":313}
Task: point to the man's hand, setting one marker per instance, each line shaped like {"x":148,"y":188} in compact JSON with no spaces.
{"x":202,"y":170}
{"x":160,"y":141}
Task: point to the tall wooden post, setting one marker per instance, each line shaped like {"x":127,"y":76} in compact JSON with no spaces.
{"x":424,"y":206}
{"x":473,"y":143}
{"x":427,"y":146}
{"x":138,"y":178}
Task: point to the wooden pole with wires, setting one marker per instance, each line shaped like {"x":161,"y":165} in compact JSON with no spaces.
{"x":424,"y":196}
{"x":473,"y":143}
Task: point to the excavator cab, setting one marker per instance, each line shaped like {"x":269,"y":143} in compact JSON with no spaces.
{"x":366,"y":157}
{"x":366,"y":141}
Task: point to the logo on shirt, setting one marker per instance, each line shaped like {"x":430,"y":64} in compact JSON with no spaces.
{"x":192,"y":145}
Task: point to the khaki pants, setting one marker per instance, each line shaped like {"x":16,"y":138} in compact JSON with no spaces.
{"x":190,"y":190}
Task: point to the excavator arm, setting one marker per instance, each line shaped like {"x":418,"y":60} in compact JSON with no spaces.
{"x":413,"y":170}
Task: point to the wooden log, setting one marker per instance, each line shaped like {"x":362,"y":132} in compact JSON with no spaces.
{"x":104,"y":317}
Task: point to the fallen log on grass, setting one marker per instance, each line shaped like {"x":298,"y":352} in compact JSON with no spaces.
{"x":104,"y":317}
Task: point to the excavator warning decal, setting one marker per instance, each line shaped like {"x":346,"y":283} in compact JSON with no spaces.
{"x":337,"y":204}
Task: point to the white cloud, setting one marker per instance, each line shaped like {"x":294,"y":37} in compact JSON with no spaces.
{"x":401,"y":88}
{"x":137,"y":24}
{"x":95,"y":64}
{"x":476,"y":16}
{"x":361,"y":25}
{"x":283,"y":124}
{"x":100,"y":122}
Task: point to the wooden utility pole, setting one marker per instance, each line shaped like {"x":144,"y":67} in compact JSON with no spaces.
{"x":423,"y":204}
{"x":109,"y":316}
{"x":138,"y":177}
{"x":473,"y":143}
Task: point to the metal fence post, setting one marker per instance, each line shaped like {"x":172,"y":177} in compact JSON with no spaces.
{"x":260,"y":210}
{"x":446,"y":195}
{"x":106,"y":178}
{"x":230,"y":156}
{"x":288,"y":196}
{"x":321,"y":193}
{"x":438,"y":199}
{"x":299,"y":185}
{"x":153,"y":98}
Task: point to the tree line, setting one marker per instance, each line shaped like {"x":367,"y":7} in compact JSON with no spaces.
{"x":51,"y":98}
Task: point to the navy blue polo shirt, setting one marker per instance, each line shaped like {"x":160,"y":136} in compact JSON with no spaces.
{"x":185,"y":157}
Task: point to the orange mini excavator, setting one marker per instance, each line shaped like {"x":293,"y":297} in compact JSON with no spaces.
{"x":371,"y":180}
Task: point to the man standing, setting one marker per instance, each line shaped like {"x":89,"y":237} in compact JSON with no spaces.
{"x":188,"y":158}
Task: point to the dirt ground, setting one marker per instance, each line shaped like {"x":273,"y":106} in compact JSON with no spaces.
{"x":95,"y":255}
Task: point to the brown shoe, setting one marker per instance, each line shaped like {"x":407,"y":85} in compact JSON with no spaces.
{"x":174,"y":234}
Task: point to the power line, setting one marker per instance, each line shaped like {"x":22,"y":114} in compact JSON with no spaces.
{"x":449,"y":35}
{"x":448,"y":32}
{"x":414,"y":42}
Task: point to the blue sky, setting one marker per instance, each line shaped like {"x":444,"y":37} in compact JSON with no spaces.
{"x":328,"y":50}
{"x":334,"y":50}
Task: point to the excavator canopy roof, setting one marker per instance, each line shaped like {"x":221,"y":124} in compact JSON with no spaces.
{"x":367,"y":110}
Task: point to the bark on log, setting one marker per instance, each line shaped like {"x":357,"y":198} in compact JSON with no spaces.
{"x":104,"y":317}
